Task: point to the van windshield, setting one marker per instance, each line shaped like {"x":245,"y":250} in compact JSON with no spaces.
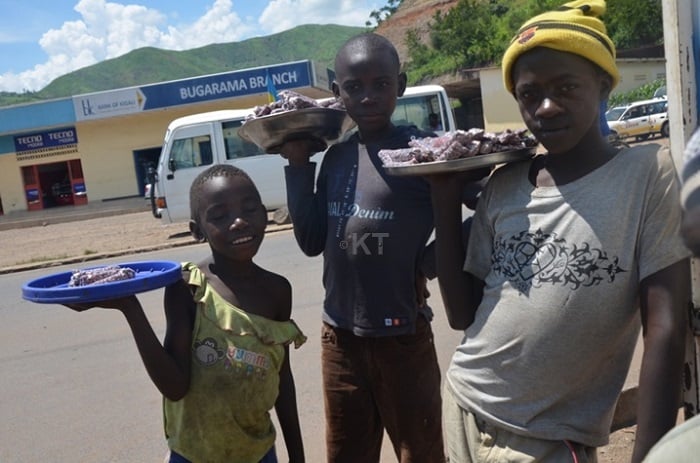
{"x":235,"y":146}
{"x":422,"y":111}
{"x":614,"y":114}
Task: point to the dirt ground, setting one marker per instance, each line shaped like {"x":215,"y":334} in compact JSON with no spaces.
{"x":87,"y":239}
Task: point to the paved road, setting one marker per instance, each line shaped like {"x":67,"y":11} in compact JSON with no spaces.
{"x":73,"y":388}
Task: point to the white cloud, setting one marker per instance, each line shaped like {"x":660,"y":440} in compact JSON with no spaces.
{"x":220,"y":24}
{"x":280,"y":15}
{"x":108,"y":30}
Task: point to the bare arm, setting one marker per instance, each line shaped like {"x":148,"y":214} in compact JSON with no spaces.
{"x":286,"y":403}
{"x":664,"y":301}
{"x":461,"y":292}
{"x":287,"y":413}
{"x":169,"y":366}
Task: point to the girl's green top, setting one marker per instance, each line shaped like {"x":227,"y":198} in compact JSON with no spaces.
{"x":236,"y":359}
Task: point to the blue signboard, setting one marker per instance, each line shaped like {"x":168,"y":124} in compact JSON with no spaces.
{"x":50,"y":139}
{"x":227,"y":85}
{"x":32,"y":196}
{"x":79,"y":188}
{"x":244,"y":82}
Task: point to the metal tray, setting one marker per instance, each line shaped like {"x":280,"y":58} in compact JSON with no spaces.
{"x":54,"y":289}
{"x":463,"y":164}
{"x":271,"y":131}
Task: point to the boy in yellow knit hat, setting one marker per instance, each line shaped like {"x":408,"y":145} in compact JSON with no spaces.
{"x":569,"y":255}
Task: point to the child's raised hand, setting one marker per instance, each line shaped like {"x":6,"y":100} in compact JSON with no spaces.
{"x":454,"y":182}
{"x":298,"y":152}
{"x":121,"y":304}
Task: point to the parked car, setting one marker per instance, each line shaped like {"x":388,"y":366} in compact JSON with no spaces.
{"x":640,"y":119}
{"x":660,"y":92}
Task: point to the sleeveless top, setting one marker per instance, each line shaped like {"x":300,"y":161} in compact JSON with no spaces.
{"x":236,"y":359}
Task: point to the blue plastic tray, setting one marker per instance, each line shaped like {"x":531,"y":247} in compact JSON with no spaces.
{"x":54,"y":289}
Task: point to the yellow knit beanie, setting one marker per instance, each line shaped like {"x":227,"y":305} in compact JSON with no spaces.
{"x":575,"y":28}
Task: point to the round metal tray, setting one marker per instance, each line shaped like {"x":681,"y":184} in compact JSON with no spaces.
{"x":462,"y":164}
{"x":271,"y":131}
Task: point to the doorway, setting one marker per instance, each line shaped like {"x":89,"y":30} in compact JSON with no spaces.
{"x":54,"y":184}
{"x":143,"y":159}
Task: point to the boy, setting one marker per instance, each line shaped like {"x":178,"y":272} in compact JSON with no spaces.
{"x":379,"y":364}
{"x":567,"y":253}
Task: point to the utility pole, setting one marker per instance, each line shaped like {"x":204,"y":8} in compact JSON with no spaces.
{"x":681,"y":21}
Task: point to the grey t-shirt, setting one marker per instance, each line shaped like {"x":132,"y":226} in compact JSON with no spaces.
{"x":549,"y":350}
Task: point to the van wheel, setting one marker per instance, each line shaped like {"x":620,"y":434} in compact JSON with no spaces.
{"x":281,"y":216}
{"x":664,"y":130}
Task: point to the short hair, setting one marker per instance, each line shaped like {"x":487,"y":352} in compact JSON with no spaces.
{"x":369,"y":42}
{"x":217,"y":170}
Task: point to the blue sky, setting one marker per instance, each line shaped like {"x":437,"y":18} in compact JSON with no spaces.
{"x":41,"y":40}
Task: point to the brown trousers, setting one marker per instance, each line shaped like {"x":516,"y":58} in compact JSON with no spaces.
{"x":373,"y":384}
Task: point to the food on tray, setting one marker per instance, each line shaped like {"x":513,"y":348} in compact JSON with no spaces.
{"x":457,"y":145}
{"x":97,"y":275}
{"x":289,"y":100}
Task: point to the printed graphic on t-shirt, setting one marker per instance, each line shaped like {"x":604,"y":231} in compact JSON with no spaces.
{"x":348,"y":193}
{"x":241,"y":361}
{"x":534,"y":259}
{"x":207,"y":351}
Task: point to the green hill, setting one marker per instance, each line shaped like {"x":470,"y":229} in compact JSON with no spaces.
{"x":151,"y":65}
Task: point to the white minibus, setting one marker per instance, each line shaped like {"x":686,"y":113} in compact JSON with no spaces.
{"x":193,"y":143}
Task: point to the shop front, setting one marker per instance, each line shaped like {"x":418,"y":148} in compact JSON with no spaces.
{"x":48,"y":183}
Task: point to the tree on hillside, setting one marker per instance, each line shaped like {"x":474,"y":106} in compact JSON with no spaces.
{"x":633,"y":24}
{"x":475,"y":33}
{"x":380,"y":15}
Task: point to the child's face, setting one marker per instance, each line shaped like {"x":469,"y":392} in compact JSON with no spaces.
{"x":232,"y":218}
{"x":559,"y":96}
{"x":369,"y":84}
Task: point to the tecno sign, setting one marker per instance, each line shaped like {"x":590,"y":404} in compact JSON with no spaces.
{"x":50,"y":139}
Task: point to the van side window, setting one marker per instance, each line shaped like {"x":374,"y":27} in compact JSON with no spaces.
{"x":235,"y":146}
{"x":191,"y":152}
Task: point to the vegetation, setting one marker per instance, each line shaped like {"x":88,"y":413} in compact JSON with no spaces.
{"x":645,"y":92}
{"x":378,"y":16}
{"x":475,"y":33}
{"x":472,"y":34}
{"x":151,"y":65}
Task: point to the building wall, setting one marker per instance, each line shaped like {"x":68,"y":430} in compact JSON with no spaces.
{"x":635,"y":73}
{"x":106,"y":149}
{"x":500,"y":110}
{"x":11,"y":187}
{"x":114,"y":134}
{"x":106,"y":146}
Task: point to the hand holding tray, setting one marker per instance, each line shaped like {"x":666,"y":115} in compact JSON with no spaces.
{"x":462,"y":164}
{"x":325,"y":124}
